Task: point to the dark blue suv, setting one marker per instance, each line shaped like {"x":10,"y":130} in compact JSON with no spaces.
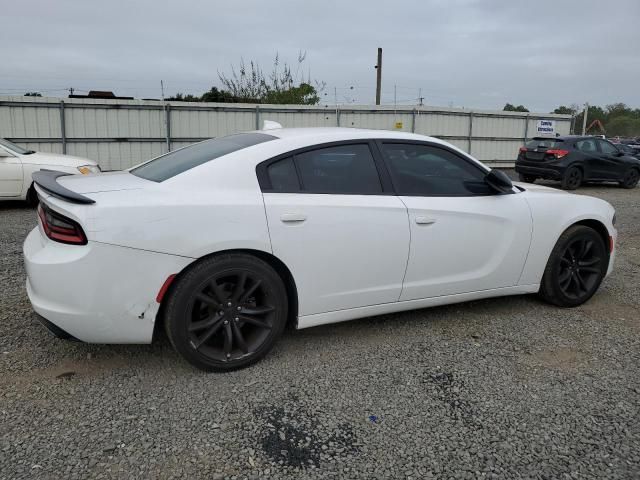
{"x":576,"y":159}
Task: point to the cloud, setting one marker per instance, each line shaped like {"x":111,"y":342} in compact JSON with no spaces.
{"x":472,"y":53}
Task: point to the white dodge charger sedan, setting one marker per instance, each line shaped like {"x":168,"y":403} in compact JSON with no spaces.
{"x":225,"y":241}
{"x":17,"y":164}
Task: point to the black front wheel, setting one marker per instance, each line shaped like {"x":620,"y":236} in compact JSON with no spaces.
{"x":572,"y":178}
{"x":575,"y":268}
{"x":226,"y":312}
{"x":630,"y":179}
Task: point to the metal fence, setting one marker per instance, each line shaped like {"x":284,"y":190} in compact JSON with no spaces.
{"x":122,"y":133}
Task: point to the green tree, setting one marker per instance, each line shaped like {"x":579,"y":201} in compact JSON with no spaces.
{"x":215,"y":95}
{"x":249,"y":84}
{"x":33,"y":94}
{"x":564,"y":110}
{"x":617,"y":110}
{"x":181,"y":97}
{"x":623,"y":126}
{"x":512,"y":108}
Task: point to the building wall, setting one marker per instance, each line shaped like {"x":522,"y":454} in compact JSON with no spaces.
{"x":121,"y":133}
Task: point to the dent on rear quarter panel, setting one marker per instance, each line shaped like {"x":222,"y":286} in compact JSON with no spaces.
{"x":190,"y":225}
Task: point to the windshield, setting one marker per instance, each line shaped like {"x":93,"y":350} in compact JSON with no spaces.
{"x":179,"y":161}
{"x":548,"y":143}
{"x":15,"y":148}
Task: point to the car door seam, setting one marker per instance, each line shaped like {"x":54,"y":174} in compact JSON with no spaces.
{"x":406,"y":267}
{"x":266,"y":220}
{"x":526,"y":258}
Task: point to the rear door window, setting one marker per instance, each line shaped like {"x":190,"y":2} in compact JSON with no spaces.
{"x":343,"y":169}
{"x":607,"y":148}
{"x":283,"y":177}
{"x":587,"y":146}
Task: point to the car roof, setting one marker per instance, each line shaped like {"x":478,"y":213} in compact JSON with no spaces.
{"x":344,"y":133}
{"x":566,"y":137}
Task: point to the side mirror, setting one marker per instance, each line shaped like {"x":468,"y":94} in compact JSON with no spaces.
{"x":499,"y":181}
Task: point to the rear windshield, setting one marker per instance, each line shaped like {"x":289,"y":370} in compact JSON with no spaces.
{"x":178,"y":161}
{"x":544,"y":143}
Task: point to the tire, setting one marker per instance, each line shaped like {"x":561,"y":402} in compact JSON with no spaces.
{"x":219,"y":327}
{"x":572,"y":178}
{"x":631,"y":178}
{"x":575,"y":268}
{"x":32,"y":197}
{"x":527,"y":178}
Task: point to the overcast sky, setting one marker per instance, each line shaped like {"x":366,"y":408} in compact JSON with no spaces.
{"x":471,"y":53}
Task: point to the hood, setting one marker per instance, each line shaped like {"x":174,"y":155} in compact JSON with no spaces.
{"x":532,"y":187}
{"x":53,"y":159}
{"x":103,"y":182}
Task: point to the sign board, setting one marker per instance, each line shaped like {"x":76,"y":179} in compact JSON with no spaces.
{"x":546,"y":127}
{"x":399,"y":125}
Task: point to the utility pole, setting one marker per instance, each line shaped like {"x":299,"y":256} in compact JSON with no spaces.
{"x":584,"y":118}
{"x":71,"y":89}
{"x":379,"y":76}
{"x":420,"y":98}
{"x":166,"y":118}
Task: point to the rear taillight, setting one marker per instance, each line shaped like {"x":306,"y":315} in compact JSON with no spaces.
{"x":523,"y":150}
{"x":60,"y":228}
{"x":557,"y":153}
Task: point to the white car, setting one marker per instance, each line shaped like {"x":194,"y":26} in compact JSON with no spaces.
{"x":225,"y":241}
{"x":17,"y":164}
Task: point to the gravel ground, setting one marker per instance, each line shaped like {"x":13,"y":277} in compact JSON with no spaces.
{"x":504,"y":388}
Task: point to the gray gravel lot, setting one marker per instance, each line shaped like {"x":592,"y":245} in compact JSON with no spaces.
{"x":503,"y":388}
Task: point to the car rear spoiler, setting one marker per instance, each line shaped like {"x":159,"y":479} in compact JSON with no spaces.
{"x":47,"y":180}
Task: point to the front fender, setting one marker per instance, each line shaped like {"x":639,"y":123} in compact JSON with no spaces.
{"x":553,"y":214}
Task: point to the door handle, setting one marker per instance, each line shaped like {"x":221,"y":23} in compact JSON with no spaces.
{"x":425,"y":220}
{"x":293,"y":217}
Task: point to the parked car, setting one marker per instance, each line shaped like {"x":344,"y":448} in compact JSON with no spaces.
{"x":223,"y":242}
{"x":576,"y":159}
{"x":17,"y":164}
{"x":628,"y":149}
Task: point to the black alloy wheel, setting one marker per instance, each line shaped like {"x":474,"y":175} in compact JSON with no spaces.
{"x":227,"y":312}
{"x":631,"y":178}
{"x":572,"y":178}
{"x":576,"y":267}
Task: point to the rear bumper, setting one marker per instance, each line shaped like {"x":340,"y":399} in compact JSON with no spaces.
{"x":57,"y":331}
{"x":550,"y":172}
{"x":96,"y":293}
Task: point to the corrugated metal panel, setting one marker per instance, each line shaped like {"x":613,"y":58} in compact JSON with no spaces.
{"x":498,"y":127}
{"x":495,"y":150}
{"x":306,"y":118}
{"x":461,"y":144}
{"x":114,"y":123}
{"x":119,"y":134}
{"x":117,"y":155}
{"x":438,"y":124}
{"x":43,"y":147}
{"x":383,"y":120}
{"x":210,"y":123}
